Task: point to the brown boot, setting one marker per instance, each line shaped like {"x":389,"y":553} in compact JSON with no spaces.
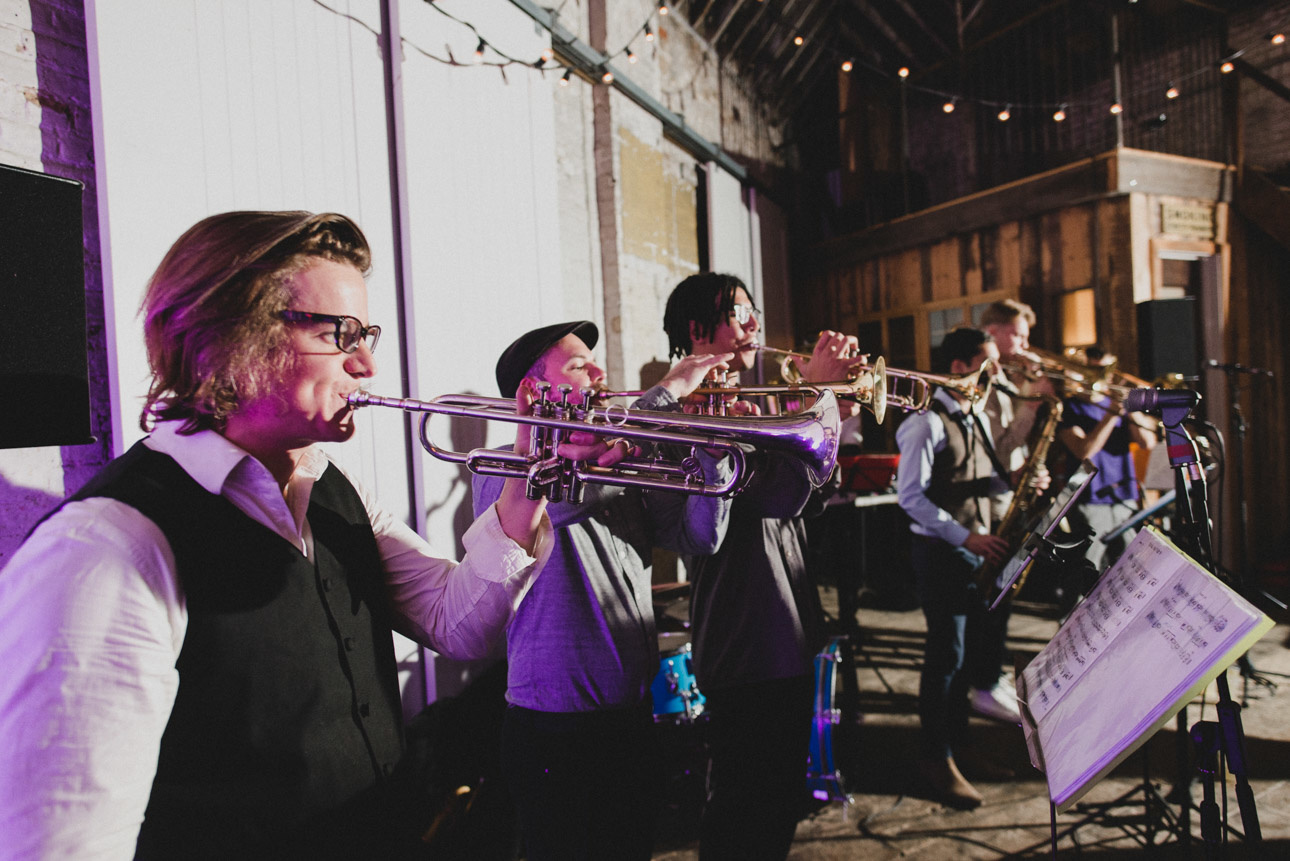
{"x":950,"y":787}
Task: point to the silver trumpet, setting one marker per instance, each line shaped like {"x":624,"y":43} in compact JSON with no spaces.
{"x":810,"y":437}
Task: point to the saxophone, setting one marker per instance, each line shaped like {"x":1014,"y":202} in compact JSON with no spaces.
{"x":1016,"y":522}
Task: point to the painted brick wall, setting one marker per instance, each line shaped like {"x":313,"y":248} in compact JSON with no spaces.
{"x":45,"y":125}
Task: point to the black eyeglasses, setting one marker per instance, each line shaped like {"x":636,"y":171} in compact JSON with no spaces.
{"x":349,"y":330}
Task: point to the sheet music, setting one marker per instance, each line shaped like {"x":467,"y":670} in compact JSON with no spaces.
{"x":1152,"y":633}
{"x":1117,"y":598}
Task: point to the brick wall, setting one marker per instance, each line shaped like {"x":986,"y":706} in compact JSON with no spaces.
{"x":45,"y":125}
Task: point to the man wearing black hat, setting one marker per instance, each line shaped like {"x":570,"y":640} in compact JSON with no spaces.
{"x":578,"y":745}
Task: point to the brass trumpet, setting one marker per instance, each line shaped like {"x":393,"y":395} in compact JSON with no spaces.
{"x":910,"y":391}
{"x":867,"y":386}
{"x":811,"y":437}
{"x":1077,"y":376}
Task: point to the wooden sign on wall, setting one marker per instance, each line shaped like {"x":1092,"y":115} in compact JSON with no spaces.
{"x":1192,"y":220}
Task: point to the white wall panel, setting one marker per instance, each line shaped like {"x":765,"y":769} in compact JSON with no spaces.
{"x":212,"y":105}
{"x":730,"y":230}
{"x":482,"y":196}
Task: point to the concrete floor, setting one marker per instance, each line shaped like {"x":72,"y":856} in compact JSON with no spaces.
{"x":890,"y":816}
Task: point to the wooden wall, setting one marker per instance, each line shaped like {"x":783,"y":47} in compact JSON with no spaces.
{"x":1098,"y":227}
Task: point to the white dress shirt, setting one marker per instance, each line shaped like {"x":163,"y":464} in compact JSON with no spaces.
{"x":93,"y":617}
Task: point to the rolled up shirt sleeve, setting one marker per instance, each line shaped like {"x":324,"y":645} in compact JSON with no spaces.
{"x":917,"y":439}
{"x":459,"y":609}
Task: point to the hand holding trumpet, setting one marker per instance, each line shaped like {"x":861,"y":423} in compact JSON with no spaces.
{"x":579,"y":445}
{"x":833,"y":359}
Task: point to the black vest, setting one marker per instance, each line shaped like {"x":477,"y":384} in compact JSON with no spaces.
{"x":287,"y":718}
{"x":962,"y":471}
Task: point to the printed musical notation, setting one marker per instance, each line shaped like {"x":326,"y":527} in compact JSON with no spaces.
{"x":1150,"y":635}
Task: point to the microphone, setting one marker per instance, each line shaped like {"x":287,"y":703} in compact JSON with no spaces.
{"x":1237,"y":368}
{"x":1154,"y":400}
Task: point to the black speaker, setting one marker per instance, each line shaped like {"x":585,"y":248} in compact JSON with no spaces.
{"x":1167,"y":338}
{"x":44,"y":380}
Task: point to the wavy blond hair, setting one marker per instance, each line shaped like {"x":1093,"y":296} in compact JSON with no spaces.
{"x":211,"y":311}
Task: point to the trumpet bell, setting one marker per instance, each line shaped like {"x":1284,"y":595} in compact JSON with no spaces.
{"x":879,"y":372}
{"x":812,"y":437}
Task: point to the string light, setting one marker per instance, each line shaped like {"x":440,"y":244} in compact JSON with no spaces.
{"x":847,"y":64}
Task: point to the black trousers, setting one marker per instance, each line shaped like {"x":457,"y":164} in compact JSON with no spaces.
{"x":966,"y":642}
{"x":759,"y":738}
{"x":586,"y":785}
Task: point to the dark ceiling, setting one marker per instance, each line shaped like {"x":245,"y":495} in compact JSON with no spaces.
{"x":931,"y":38}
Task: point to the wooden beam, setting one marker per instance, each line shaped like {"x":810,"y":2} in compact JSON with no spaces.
{"x":875,"y":18}
{"x":1111,"y":174}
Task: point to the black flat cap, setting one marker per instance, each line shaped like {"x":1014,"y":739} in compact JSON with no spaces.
{"x":528,"y":348}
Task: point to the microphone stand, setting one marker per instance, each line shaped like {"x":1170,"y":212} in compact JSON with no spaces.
{"x":1192,"y":533}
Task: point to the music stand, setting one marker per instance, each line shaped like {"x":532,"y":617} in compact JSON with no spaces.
{"x":1038,"y":543}
{"x":1226,"y":737}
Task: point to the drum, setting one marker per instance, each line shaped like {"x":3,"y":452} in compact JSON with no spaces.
{"x":823,"y":778}
{"x":675,"y":689}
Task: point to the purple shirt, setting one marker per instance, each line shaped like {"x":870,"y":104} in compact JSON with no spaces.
{"x":1116,"y":479}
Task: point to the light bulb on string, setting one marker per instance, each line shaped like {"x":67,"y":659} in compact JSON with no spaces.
{"x":547,"y":55}
{"x":631,"y":56}
{"x":479,"y":51}
{"x":846,"y":65}
{"x":607,"y":77}
{"x":1060,"y":114}
{"x":1172,"y":92}
{"x":903,"y":72}
{"x":798,"y":40}
{"x":1227,"y":67}
{"x":949,"y":106}
{"x":564,"y":79}
{"x":649,"y":34}
{"x":1005,"y":114}
{"x":1277,"y":38}
{"x":1117,"y":108}
{"x":662,"y":8}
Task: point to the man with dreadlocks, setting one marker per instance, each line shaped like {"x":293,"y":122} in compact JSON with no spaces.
{"x":756,"y":621}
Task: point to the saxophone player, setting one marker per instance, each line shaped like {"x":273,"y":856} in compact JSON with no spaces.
{"x":945,"y":482}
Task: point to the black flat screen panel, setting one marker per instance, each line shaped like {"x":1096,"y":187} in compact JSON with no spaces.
{"x":44,"y":381}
